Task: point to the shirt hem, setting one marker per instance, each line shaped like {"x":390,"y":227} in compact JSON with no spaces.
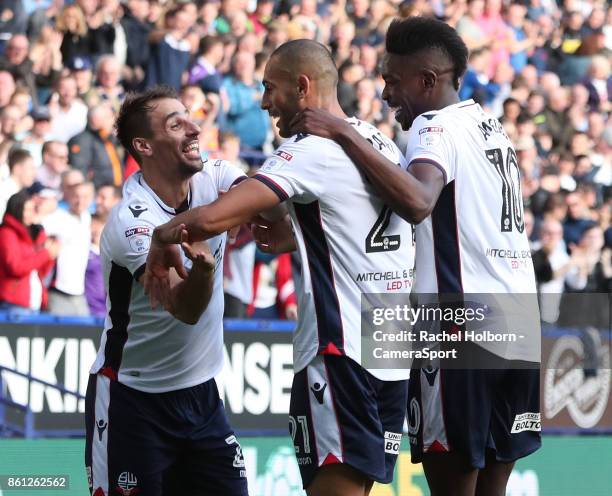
{"x":144,"y":389}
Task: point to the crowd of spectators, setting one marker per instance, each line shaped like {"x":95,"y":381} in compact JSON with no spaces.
{"x":541,"y":66}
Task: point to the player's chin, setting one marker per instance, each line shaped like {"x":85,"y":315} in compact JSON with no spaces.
{"x":404,"y":119}
{"x":197,"y":165}
{"x":194,"y":165}
{"x":283,"y":131}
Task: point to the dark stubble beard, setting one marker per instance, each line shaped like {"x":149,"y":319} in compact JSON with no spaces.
{"x":187,"y":169}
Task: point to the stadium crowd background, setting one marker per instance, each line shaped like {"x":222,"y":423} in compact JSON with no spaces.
{"x":542,"y":67}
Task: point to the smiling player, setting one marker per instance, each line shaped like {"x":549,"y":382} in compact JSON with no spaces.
{"x":155,"y":423}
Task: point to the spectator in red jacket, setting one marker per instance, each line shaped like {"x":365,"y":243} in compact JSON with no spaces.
{"x":26,"y":257}
{"x":273,"y":289}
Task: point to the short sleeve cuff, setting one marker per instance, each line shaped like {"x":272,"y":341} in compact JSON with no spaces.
{"x":273,"y":185}
{"x":238,"y":180}
{"x":430,"y":161}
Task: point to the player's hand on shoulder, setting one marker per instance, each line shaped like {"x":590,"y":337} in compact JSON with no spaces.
{"x":273,"y":237}
{"x":318,"y":122}
{"x":161,"y":258}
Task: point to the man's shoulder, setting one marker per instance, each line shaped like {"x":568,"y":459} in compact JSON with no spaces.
{"x":132,"y":21}
{"x":447,"y":121}
{"x":58,"y":215}
{"x":297,"y":155}
{"x":205,"y":180}
{"x":26,"y":66}
{"x":372,"y":134}
{"x":59,"y":221}
{"x":129,"y":219}
{"x":304,"y":143}
{"x":78,"y":106}
{"x":451,"y":112}
{"x":4,"y":63}
{"x":307,"y":151}
{"x":212,"y":165}
{"x":429,"y":129}
{"x":85,"y":136}
{"x":303,"y":139}
{"x":213,"y":169}
{"x":135,"y":207}
{"x":431,"y":117}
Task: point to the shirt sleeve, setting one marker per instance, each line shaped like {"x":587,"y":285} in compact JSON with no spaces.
{"x":227,"y":175}
{"x":296,"y":170}
{"x":429,"y":141}
{"x":132,"y":241}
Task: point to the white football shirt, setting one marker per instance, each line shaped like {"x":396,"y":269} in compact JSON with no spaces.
{"x":350,"y":243}
{"x":74,"y":234}
{"x":150,"y":350}
{"x":474,"y":241}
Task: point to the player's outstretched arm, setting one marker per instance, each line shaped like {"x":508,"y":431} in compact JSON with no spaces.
{"x":239,"y":205}
{"x":235,"y":207}
{"x":410,"y":195}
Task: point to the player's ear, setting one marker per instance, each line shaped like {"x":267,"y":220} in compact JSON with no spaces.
{"x":303,"y":86}
{"x":142,"y":146}
{"x":429,"y":79}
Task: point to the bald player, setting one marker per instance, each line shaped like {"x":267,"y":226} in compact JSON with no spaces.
{"x":345,"y":422}
{"x":467,"y":425}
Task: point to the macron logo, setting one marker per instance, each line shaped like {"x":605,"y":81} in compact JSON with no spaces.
{"x":318,"y":391}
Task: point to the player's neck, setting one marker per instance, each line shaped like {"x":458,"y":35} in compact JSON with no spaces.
{"x":171,"y":191}
{"x":330,"y":104}
{"x":450,"y":98}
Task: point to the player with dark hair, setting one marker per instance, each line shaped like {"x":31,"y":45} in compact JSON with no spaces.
{"x":463,"y":188}
{"x":345,"y":421}
{"x":155,"y":422}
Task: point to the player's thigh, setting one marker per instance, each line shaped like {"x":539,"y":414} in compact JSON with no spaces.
{"x":339,"y":480}
{"x":449,"y":474}
{"x":333,"y":419}
{"x":125,"y":451}
{"x":212,"y":463}
{"x":493,"y":479}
